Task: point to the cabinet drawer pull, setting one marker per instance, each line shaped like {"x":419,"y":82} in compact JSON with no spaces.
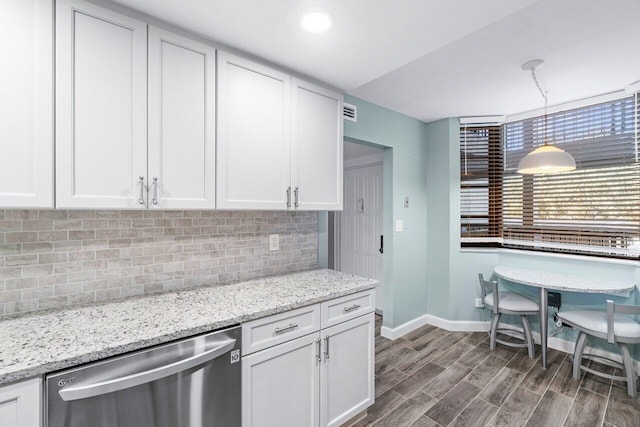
{"x":141,"y":182}
{"x":295,"y":192}
{"x":326,"y":347}
{"x":289,"y":197}
{"x":318,"y":351}
{"x":353,"y":307}
{"x":155,"y":190}
{"x":286,"y":328}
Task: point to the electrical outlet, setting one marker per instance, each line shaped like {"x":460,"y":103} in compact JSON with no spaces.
{"x":479,"y":303}
{"x":274,"y":242}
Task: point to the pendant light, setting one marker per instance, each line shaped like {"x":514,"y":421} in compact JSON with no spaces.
{"x":547,"y":158}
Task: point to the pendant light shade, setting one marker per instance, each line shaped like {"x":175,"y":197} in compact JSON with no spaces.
{"x":546,"y":159}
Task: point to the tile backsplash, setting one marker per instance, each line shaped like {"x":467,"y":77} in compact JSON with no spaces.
{"x":56,"y":258}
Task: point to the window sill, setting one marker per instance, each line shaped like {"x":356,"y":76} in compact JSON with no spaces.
{"x":524,"y":252}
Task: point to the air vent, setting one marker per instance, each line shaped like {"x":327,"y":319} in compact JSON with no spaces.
{"x":350,"y":112}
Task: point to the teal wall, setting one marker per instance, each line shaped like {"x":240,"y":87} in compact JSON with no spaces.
{"x":405,"y":295}
{"x":452,"y":272}
{"x":425,"y":271}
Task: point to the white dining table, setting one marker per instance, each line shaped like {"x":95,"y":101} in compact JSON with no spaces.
{"x":545,"y":280}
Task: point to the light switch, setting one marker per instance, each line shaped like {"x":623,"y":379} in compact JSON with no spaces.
{"x":399,"y":226}
{"x":406,"y":201}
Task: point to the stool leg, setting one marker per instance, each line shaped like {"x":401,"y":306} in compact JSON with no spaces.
{"x":577,"y":354}
{"x":629,"y":372}
{"x":494,"y":331}
{"x":528,"y":336}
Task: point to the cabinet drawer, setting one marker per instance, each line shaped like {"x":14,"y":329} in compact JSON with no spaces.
{"x":348,"y":307}
{"x":269,"y":331}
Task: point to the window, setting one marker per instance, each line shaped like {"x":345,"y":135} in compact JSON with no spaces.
{"x":592,"y":210}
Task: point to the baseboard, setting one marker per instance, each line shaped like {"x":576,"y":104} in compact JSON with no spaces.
{"x":483,"y":326}
{"x":428,"y":319}
{"x":405,"y":328}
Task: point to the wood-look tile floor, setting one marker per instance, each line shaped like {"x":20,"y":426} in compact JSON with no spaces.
{"x":432,"y":377}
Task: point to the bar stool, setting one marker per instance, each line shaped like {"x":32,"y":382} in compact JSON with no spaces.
{"x":508,"y":303}
{"x":613,"y":326}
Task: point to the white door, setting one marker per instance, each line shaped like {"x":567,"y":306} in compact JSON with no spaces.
{"x":280,"y":385}
{"x":347,"y":372}
{"x":101,"y":107}
{"x":181,"y":122}
{"x":316,"y":147}
{"x":20,"y":404}
{"x":361,"y":225}
{"x":254,"y":140}
{"x":26,"y":103}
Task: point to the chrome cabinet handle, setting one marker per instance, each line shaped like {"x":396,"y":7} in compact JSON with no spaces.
{"x":155,"y":190}
{"x":289,"y":197}
{"x":318,"y":350}
{"x":141,"y":182}
{"x":286,"y":328}
{"x":326,"y":347}
{"x":295,"y":193}
{"x":83,"y":391}
{"x":353,"y":307}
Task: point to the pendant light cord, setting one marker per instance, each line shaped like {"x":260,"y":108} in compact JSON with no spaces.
{"x":544,"y":96}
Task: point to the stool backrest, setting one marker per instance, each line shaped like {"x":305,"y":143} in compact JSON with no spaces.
{"x":613,"y":308}
{"x":487,"y":288}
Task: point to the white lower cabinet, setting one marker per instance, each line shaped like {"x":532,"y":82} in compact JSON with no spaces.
{"x":346,"y":380}
{"x":20,"y":404}
{"x":320,"y":379}
{"x":281,"y":385}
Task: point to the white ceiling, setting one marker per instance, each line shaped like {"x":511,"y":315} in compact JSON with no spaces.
{"x":432,"y":58}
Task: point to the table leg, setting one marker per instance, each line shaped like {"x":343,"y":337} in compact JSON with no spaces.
{"x":543,"y":326}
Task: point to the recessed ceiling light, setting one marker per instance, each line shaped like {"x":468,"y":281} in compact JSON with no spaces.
{"x":316,"y":21}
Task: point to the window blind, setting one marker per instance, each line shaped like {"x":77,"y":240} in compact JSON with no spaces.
{"x":594,"y":209}
{"x":481,"y":160}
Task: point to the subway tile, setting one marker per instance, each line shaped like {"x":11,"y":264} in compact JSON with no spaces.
{"x":53,"y":214}
{"x":21,"y":237}
{"x":52,"y":258}
{"x":40,"y":250}
{"x":13,"y":260}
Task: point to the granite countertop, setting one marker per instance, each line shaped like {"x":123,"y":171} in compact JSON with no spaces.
{"x":40,"y":343}
{"x":563,"y":281}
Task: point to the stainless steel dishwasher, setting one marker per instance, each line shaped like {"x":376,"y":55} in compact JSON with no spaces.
{"x":190,"y":383}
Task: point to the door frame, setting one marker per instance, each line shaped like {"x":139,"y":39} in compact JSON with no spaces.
{"x":335,"y":225}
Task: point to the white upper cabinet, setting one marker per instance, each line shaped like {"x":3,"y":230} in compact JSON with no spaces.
{"x":181,"y":122}
{"x":101,"y":107}
{"x":316,"y":166}
{"x":26,"y":103}
{"x":253,"y":135}
{"x":279,"y":140}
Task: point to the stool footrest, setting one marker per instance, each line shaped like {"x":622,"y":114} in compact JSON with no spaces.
{"x":596,"y":357}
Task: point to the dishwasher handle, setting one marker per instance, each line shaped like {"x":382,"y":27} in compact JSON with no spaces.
{"x":83,"y":391}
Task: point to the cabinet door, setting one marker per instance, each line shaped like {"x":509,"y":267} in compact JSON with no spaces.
{"x":181,"y":122}
{"x":347,"y":373}
{"x":20,"y":404}
{"x":101,"y":107}
{"x":316,"y":165}
{"x":253,"y":144}
{"x":280,"y":385}
{"x":26,"y":103}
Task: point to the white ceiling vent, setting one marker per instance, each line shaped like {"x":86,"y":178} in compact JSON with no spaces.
{"x":350,"y":112}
